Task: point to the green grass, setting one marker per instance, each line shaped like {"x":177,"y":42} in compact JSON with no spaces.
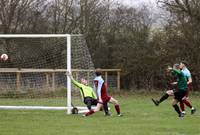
{"x":141,"y":117}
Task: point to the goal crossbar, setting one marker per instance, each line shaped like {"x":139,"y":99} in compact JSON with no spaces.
{"x":33,"y":35}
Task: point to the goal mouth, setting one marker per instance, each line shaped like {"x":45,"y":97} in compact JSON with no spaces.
{"x":36,"y":68}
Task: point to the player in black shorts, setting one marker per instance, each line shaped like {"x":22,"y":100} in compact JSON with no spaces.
{"x":179,"y":93}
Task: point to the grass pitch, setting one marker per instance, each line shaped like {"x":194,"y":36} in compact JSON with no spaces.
{"x":141,"y":117}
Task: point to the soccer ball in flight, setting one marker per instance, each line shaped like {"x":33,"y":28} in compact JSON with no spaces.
{"x":4,"y":57}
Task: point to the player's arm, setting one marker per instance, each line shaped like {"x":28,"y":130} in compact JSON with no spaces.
{"x":76,"y":83}
{"x":189,"y":80}
{"x":174,"y":71}
{"x":95,"y":89}
{"x":98,"y":86}
{"x":174,"y":83}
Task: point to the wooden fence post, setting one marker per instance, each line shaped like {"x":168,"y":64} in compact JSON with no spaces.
{"x":118,"y":80}
{"x":88,"y":77}
{"x":18,"y":81}
{"x":53,"y":81}
{"x":106,"y":77}
{"x":47,"y":79}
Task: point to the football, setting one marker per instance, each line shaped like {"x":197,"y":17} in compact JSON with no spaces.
{"x":4,"y":57}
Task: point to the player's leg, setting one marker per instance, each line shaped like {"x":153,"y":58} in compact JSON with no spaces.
{"x":116,"y":104}
{"x":105,"y":106}
{"x":176,"y":108}
{"x":184,"y":102}
{"x":178,"y":96}
{"x":98,"y":107}
{"x":164,"y":97}
{"x":182,"y":107}
{"x":88,"y":102}
{"x":187,"y":103}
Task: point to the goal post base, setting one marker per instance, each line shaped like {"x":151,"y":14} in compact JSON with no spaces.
{"x":80,"y":109}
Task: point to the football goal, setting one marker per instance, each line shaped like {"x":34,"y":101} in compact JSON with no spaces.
{"x":33,"y":76}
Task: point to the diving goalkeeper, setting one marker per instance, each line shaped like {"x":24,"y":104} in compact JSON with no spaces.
{"x":87,"y":93}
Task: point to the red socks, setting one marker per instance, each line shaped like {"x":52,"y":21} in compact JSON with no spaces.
{"x":117,"y":109}
{"x":187,"y":103}
{"x":89,"y":113}
{"x":182,"y":106}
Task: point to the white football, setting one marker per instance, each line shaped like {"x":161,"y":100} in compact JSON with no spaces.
{"x":4,"y":57}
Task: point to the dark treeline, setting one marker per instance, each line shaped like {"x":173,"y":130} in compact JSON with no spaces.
{"x":118,"y":36}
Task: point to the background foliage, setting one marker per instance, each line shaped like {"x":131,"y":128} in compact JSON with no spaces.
{"x":118,"y":36}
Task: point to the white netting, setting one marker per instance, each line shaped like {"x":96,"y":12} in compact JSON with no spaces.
{"x":36,"y":69}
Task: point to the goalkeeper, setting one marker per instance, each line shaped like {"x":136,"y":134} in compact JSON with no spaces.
{"x":87,"y":93}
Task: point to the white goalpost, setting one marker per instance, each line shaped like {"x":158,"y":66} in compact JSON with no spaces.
{"x":69,"y":70}
{"x":37,"y":64}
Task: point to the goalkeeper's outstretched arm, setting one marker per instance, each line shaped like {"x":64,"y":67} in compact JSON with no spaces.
{"x":73,"y":80}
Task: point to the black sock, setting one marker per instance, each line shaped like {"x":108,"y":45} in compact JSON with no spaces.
{"x":163,"y":97}
{"x":105,"y":108}
{"x":176,"y":108}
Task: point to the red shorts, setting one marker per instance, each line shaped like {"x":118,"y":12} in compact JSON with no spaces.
{"x":188,"y":91}
{"x":106,"y":99}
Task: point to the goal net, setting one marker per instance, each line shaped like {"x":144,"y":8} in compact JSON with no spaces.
{"x":34,"y":76}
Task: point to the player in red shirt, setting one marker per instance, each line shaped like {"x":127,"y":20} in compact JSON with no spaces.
{"x":102,"y":95}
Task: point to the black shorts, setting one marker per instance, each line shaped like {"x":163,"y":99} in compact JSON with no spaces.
{"x":179,"y":95}
{"x":90,"y":100}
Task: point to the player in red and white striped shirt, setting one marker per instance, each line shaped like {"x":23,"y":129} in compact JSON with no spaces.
{"x":102,"y":95}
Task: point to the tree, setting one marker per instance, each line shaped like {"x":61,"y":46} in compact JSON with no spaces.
{"x":183,"y":31}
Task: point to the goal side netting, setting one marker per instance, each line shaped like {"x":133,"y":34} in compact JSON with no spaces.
{"x":34,"y":76}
